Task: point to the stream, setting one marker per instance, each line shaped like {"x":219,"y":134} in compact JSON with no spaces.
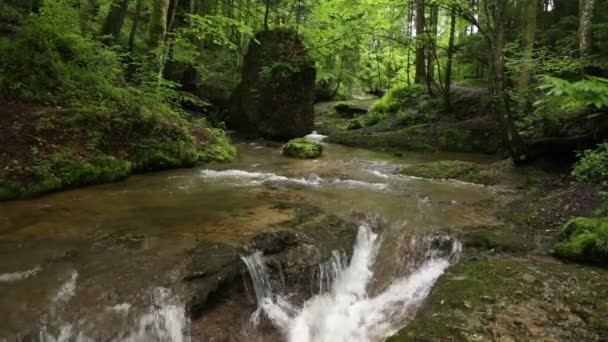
{"x":106,"y":263}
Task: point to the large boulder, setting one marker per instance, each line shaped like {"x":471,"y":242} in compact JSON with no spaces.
{"x":275,"y":97}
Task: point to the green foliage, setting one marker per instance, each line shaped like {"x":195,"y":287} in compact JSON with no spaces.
{"x":592,"y":91}
{"x":593,"y":167}
{"x":398,"y":98}
{"x":354,"y":124}
{"x":584,"y":239}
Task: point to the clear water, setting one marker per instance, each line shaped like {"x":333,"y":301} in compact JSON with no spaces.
{"x":106,"y":262}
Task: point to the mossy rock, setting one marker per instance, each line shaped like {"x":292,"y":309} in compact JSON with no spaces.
{"x":349,"y":109}
{"x":584,"y":239}
{"x":275,"y":97}
{"x":302,"y":149}
{"x":354,"y":124}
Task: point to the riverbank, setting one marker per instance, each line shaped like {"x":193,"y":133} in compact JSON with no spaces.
{"x":509,"y":285}
{"x":47,"y":149}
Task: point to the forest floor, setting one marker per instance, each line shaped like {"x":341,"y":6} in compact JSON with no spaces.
{"x":508,"y":286}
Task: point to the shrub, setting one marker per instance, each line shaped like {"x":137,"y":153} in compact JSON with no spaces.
{"x":593,"y":167}
{"x":584,"y":239}
{"x":398,"y":98}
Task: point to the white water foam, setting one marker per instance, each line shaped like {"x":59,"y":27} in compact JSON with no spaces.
{"x":165,"y":321}
{"x":67,"y":290}
{"x":16,"y":276}
{"x":315,"y":137}
{"x":347,"y":311}
{"x":257,"y":178}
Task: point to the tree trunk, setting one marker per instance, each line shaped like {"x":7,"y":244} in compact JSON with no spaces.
{"x":450,"y":58}
{"x":158,"y":23}
{"x":420,"y":60}
{"x":136,"y":15}
{"x":266,"y":13}
{"x":432,"y":44}
{"x":511,"y":138}
{"x":585,"y":33}
{"x":115,"y":19}
{"x":529,"y":36}
{"x":410,"y":26}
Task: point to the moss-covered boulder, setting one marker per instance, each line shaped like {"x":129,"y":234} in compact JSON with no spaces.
{"x":275,"y":97}
{"x":302,"y":149}
{"x":584,"y":239}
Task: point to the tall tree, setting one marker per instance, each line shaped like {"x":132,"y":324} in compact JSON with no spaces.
{"x":112,"y":25}
{"x":450,"y":59}
{"x":528,"y":38}
{"x":135,"y":23}
{"x":420,"y":43}
{"x":585,"y":34}
{"x":511,"y":138}
{"x":158,"y":23}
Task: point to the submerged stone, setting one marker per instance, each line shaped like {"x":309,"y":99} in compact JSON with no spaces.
{"x":275,"y":97}
{"x":302,"y":149}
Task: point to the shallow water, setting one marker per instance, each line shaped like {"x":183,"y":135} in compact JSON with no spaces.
{"x":106,"y":262}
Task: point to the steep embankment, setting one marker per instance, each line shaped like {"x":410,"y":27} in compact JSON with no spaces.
{"x":47,"y":149}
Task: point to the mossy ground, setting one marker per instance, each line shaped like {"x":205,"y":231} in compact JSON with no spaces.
{"x":50,"y":149}
{"x":302,"y":149}
{"x":516,"y":300}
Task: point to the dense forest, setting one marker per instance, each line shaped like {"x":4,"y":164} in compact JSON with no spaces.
{"x":92,"y":91}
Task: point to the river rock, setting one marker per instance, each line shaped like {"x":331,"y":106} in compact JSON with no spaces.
{"x":302,"y":149}
{"x":275,"y":97}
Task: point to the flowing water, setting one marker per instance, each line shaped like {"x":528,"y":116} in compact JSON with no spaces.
{"x":106,"y":263}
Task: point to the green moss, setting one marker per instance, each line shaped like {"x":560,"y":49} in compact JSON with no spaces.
{"x":482,"y":299}
{"x":397,"y":98}
{"x":584,"y":239}
{"x":354,"y":124}
{"x":497,"y":239}
{"x":220,"y":151}
{"x":302,"y":149}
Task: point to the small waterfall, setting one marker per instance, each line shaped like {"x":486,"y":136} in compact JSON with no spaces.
{"x":344,"y":310}
{"x":259,"y":275}
{"x":330,"y":270}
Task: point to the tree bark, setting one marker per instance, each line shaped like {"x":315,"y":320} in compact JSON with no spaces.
{"x":450,"y":58}
{"x":511,"y":138}
{"x":529,"y":36}
{"x":112,"y":25}
{"x":158,"y":23}
{"x":585,"y":34}
{"x":420,"y":43}
{"x":136,"y":15}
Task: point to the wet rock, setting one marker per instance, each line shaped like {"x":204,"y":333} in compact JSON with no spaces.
{"x":302,"y":149}
{"x":275,"y":97}
{"x":275,"y":242}
{"x":214,"y":270}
